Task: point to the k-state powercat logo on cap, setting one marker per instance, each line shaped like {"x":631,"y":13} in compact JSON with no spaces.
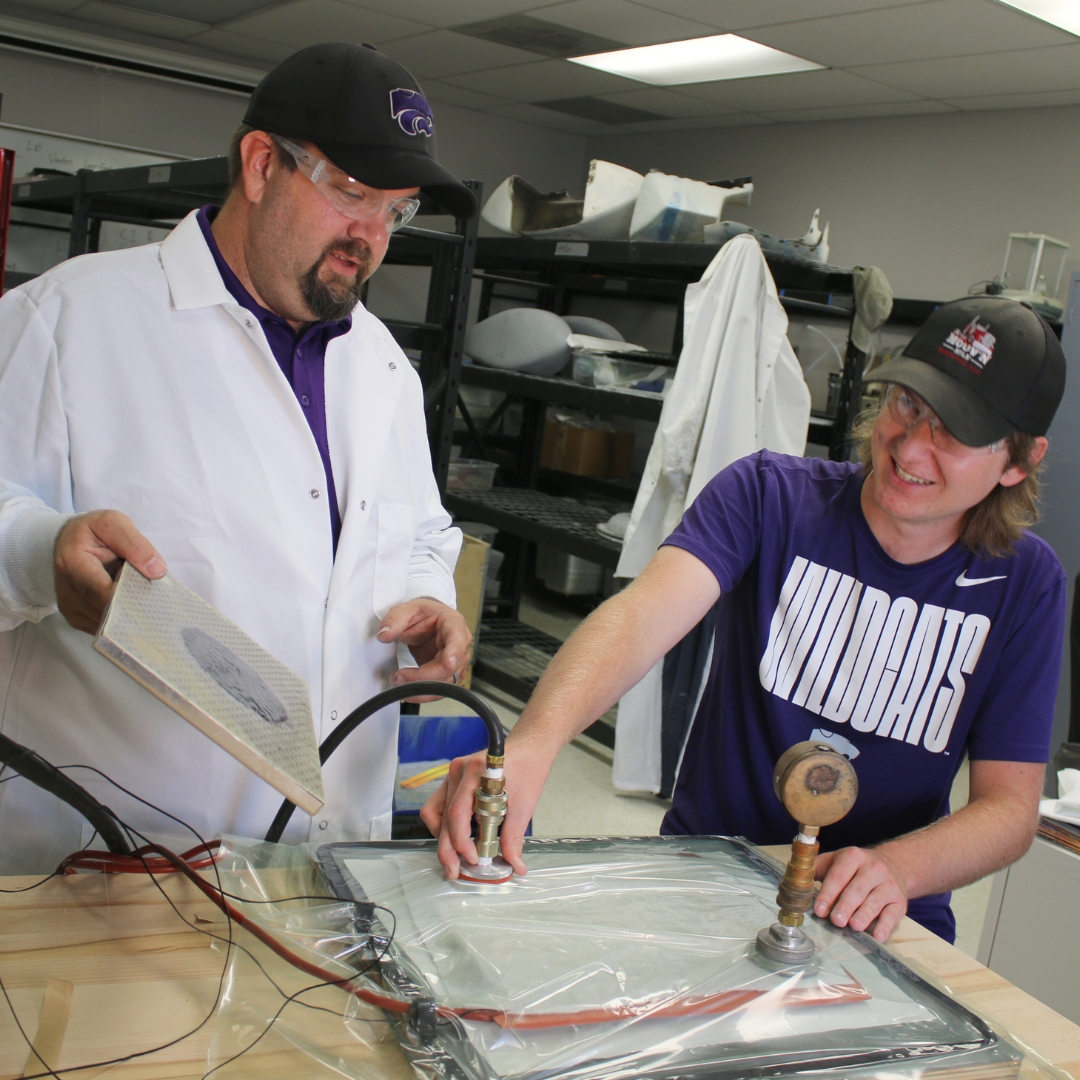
{"x":412,"y":112}
{"x":973,"y":346}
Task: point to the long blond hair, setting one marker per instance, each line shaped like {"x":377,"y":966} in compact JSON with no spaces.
{"x":992,"y":526}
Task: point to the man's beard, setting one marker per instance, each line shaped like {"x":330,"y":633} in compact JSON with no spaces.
{"x":330,"y":301}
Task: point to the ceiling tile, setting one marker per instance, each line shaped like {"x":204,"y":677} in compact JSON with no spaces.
{"x":542,"y":79}
{"x":940,"y":28}
{"x":442,"y":52}
{"x":1022,"y":71}
{"x":622,"y":21}
{"x":599,"y":110}
{"x":667,"y":102}
{"x":850,"y":112}
{"x":447,"y":12}
{"x":206,"y":11}
{"x":458,"y":95}
{"x":144,"y":22}
{"x":263,"y":53}
{"x":696,"y":123}
{"x":803,"y":89}
{"x":311,"y":22}
{"x":57,"y":7}
{"x":534,"y":114}
{"x":1018,"y":101}
{"x":738,"y":14}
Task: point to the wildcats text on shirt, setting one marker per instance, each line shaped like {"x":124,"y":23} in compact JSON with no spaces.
{"x":853,"y":654}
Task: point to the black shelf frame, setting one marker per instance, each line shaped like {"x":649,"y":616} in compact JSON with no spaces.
{"x":543,"y":519}
{"x":160,"y":195}
{"x":512,"y":656}
{"x":550,"y":274}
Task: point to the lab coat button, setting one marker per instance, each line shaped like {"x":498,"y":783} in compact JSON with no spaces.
{"x":393,"y":366}
{"x":247,"y":323}
{"x":314,"y":493}
{"x":323,"y":824}
{"x":363,"y":504}
{"x":333,"y":715}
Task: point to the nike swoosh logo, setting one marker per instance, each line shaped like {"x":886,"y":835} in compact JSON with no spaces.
{"x":963,"y":579}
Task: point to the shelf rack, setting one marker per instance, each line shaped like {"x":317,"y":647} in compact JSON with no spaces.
{"x":160,"y":195}
{"x":549,"y":274}
{"x":514,"y":657}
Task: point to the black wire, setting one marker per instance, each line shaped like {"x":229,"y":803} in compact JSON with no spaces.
{"x":22,"y":1032}
{"x":224,"y":970}
{"x":495,"y":730}
{"x":289,"y":999}
{"x":55,"y":873}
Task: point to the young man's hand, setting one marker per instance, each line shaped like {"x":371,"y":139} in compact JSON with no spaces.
{"x":861,"y":888}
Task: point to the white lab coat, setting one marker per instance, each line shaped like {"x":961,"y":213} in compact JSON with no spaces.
{"x":133,"y":380}
{"x":738,"y":388}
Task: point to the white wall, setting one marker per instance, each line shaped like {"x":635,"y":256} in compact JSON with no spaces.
{"x":76,"y":99}
{"x":92,"y":104}
{"x":929,"y":199}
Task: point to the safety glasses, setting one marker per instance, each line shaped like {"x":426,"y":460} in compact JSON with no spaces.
{"x":909,"y":410}
{"x":346,"y":195}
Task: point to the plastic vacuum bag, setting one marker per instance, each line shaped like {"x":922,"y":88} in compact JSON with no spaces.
{"x":613,"y":958}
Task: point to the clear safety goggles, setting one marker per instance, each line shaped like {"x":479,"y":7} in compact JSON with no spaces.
{"x":909,"y":410}
{"x":346,"y":195}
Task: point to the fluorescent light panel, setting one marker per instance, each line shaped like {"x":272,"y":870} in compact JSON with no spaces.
{"x":705,"y":59}
{"x":1061,"y":13}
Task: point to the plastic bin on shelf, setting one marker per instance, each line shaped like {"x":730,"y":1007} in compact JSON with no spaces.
{"x":470,"y":474}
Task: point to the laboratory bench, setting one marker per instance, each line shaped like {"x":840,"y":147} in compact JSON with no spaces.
{"x":100,"y":966}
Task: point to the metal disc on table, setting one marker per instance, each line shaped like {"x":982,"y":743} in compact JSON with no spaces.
{"x":786,"y":944}
{"x":493,"y":873}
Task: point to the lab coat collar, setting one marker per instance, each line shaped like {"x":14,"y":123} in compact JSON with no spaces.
{"x":193,"y":277}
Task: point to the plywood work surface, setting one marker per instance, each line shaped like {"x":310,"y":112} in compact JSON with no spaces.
{"x":141,"y":977}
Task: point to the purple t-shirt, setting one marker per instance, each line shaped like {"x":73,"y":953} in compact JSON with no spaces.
{"x":822,"y":635}
{"x":301,"y":357}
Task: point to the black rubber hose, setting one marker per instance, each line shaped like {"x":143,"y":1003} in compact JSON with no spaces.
{"x":31,"y":766}
{"x":496,"y":734}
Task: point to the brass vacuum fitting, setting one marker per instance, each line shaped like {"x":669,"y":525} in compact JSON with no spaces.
{"x":490,"y":810}
{"x":818,"y":787}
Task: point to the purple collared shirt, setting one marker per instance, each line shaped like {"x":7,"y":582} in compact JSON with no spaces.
{"x":302,"y":358}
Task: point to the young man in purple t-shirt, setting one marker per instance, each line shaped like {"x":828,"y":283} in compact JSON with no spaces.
{"x":898,"y":610}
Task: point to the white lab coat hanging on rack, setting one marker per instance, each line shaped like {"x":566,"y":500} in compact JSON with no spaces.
{"x":738,"y":388}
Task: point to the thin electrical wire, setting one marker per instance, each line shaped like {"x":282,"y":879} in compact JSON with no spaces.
{"x":55,"y":873}
{"x":140,"y":856}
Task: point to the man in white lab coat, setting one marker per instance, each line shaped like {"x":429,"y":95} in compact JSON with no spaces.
{"x":220,"y":407}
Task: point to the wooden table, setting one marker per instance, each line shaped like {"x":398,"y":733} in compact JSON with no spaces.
{"x":99,"y":965}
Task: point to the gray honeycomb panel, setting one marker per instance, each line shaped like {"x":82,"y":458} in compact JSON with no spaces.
{"x":202,"y":665}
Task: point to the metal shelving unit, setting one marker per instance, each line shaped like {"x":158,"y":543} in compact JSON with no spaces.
{"x":514,"y":657}
{"x":550,"y":274}
{"x":567,"y":525}
{"x":159,"y":196}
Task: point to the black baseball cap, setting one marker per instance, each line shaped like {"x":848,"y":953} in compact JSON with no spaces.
{"x":988,"y":366}
{"x":365,"y":112}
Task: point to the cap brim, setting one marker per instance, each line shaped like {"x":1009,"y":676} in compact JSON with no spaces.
{"x":392,"y":167}
{"x":960,"y":409}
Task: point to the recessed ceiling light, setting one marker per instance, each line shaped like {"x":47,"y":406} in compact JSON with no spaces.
{"x":1062,"y":13}
{"x":706,"y":59}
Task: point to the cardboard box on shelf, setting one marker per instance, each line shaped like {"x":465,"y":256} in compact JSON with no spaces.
{"x":586,"y":451}
{"x":469,"y":580}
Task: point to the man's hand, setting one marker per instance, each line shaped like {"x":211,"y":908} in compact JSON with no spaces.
{"x":861,"y":887}
{"x":448,"y":813}
{"x":436,"y":635}
{"x":88,"y":552}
